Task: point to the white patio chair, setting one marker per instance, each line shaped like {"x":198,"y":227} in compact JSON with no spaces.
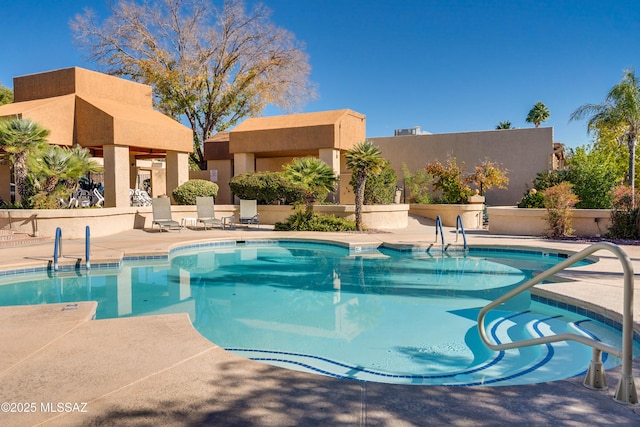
{"x":249,"y":212}
{"x":161,"y":208}
{"x":207,"y":214}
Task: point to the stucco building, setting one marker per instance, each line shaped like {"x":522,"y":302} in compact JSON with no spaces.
{"x":112,"y":117}
{"x":268,"y":143}
{"x":524,"y":152}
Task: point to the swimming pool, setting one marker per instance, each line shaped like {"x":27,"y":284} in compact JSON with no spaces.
{"x":367,"y":314}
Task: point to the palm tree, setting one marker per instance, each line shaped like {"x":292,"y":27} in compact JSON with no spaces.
{"x":539,"y":113}
{"x":17,"y":138}
{"x":317,"y":177}
{"x":504,"y":125}
{"x":49,"y":165}
{"x":53,"y":164}
{"x":363,"y":159}
{"x":621,"y":108}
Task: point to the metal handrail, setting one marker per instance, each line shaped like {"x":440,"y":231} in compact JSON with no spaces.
{"x":464,"y":236}
{"x":57,"y":248}
{"x":439,"y":226}
{"x":595,"y":378}
{"x":87,"y":246}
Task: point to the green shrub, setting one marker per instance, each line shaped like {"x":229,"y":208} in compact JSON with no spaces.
{"x":532,"y":199}
{"x":593,"y":174}
{"x":417,"y":185}
{"x":186,"y":193}
{"x":267,"y":188}
{"x":380,"y":189}
{"x":303,"y":220}
{"x":547,"y":179}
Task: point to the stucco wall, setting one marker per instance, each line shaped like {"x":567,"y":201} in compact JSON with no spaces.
{"x":524,"y":152}
{"x":515,"y":221}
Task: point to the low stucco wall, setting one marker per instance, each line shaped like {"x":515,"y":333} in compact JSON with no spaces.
{"x":103,"y":222}
{"x":373,"y":216}
{"x":471,"y":214}
{"x":108,"y":221}
{"x":530,"y":222}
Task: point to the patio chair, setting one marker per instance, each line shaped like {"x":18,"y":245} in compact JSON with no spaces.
{"x":207,"y":214}
{"x":98,"y":197}
{"x":161,"y":208}
{"x":249,"y":212}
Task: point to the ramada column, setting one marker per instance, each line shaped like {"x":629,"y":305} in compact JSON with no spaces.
{"x":177,"y":170}
{"x":116,"y":176}
{"x":332,"y":157}
{"x":243,"y":162}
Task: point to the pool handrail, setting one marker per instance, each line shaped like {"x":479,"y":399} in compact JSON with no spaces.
{"x":439,"y":226}
{"x":595,"y":377}
{"x":57,"y":248}
{"x":464,"y":236}
{"x":87,"y":246}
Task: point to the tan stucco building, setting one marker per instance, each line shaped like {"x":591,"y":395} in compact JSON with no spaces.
{"x":524,"y":152}
{"x":268,"y":143}
{"x":112,"y":117}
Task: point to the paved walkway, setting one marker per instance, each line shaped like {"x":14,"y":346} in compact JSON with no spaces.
{"x":157,"y":370}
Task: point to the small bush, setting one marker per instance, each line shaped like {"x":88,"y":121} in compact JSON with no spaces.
{"x":303,"y":220}
{"x":532,"y":199}
{"x":186,"y":193}
{"x":558,"y":200}
{"x":417,"y":185}
{"x":450,"y":180}
{"x":267,"y":188}
{"x":623,"y":217}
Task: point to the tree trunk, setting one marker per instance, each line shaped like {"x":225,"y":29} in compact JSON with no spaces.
{"x":20,"y":173}
{"x":361,"y":180}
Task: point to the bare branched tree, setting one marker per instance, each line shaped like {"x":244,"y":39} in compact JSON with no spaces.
{"x":211,"y":66}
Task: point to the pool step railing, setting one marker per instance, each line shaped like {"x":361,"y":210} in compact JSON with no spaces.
{"x":439,"y":228}
{"x":459,"y":228}
{"x":57,"y":248}
{"x":595,"y":378}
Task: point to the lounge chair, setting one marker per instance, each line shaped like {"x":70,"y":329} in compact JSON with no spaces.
{"x":161,"y":208}
{"x":207,"y":214}
{"x":249,"y":212}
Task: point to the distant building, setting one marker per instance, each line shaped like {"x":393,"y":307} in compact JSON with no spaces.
{"x":411,"y":131}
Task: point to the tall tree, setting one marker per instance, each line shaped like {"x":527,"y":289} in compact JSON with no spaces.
{"x":210,"y":66}
{"x":503,"y":125}
{"x":363,"y":159}
{"x":6,"y":95}
{"x":539,"y":113}
{"x":621,"y":109}
{"x":317,"y":177}
{"x":17,"y":138}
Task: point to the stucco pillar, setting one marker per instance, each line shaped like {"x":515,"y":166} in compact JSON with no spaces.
{"x":243,"y":162}
{"x":177,"y":170}
{"x":332,"y":157}
{"x":116,"y":176}
{"x":133,"y":171}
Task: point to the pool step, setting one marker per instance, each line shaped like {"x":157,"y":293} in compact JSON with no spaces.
{"x":10,"y":239}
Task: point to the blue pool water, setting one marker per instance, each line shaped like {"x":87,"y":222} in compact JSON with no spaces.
{"x":373,"y":314}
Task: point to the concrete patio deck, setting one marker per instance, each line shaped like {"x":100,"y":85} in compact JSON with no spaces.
{"x":157,"y":370}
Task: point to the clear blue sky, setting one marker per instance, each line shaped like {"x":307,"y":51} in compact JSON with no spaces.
{"x":446,"y":66}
